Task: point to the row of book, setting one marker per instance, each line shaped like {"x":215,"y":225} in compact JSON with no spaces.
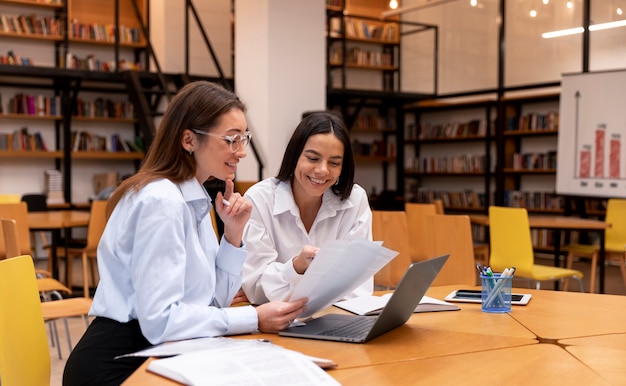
{"x":15,"y":60}
{"x":450,"y":199}
{"x":104,"y":108}
{"x":376,"y":148}
{"x":22,"y":140}
{"x":363,"y":57}
{"x":90,"y":63}
{"x":30,"y":104}
{"x":103,"y":32}
{"x":367,"y":121}
{"x":534,"y":122}
{"x":360,"y":28}
{"x":475,"y":127}
{"x":534,"y":161}
{"x":86,"y":141}
{"x":31,"y":25}
{"x":536,"y":200}
{"x":465,"y":163}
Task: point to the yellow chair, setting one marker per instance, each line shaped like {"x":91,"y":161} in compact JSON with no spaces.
{"x":511,"y":246}
{"x":390,"y":227}
{"x":614,"y":243}
{"x":452,"y":234}
{"x":416,"y":221}
{"x":9,"y":198}
{"x":24,"y":353}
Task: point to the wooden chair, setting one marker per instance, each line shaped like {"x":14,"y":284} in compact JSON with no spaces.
{"x":242,"y":186}
{"x":36,"y":202}
{"x":416,"y":217}
{"x":18,"y":211}
{"x":452,"y":234}
{"x":614,"y":243}
{"x":390,"y":227}
{"x":511,"y":246}
{"x":97,"y":222}
{"x":24,"y":353}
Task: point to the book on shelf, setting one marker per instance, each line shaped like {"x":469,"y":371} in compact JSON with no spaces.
{"x":373,"y":305}
{"x":53,"y":183}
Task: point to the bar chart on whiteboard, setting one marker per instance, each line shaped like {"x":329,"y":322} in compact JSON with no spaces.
{"x":591,"y":153}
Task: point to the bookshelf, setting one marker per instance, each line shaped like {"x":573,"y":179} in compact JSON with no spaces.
{"x":448,"y":153}
{"x":91,"y":97}
{"x":529,"y":143}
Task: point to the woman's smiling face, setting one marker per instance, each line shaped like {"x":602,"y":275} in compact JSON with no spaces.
{"x":319,"y":165}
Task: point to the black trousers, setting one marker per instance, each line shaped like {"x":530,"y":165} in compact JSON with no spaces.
{"x":92,"y":360}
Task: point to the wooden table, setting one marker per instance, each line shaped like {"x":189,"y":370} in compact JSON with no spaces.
{"x":464,"y":347}
{"x":558,"y":224}
{"x":55,"y":222}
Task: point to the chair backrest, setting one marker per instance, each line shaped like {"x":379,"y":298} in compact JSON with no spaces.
{"x":390,"y":227}
{"x":9,"y":198}
{"x":97,"y":222}
{"x":24,"y":353}
{"x":452,"y":234}
{"x":36,"y":202}
{"x":11,"y":240}
{"x":439,"y":206}
{"x":242,"y":186}
{"x":510,"y":241}
{"x":416,"y":220}
{"x":615,"y":236}
{"x":19,"y":212}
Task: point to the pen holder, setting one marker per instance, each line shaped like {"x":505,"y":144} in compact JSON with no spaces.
{"x":496,"y":293}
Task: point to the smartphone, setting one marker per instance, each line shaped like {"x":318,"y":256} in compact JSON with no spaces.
{"x":474,"y":296}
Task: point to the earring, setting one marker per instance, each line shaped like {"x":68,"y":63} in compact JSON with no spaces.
{"x":337,"y":182}
{"x":190,"y":152}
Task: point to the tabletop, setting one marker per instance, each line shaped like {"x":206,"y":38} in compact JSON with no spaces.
{"x":57,"y":219}
{"x":450,"y":347}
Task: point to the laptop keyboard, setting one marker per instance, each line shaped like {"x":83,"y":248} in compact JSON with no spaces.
{"x":355,"y":329}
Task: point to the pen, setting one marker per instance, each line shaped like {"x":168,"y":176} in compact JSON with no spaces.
{"x":225,"y":202}
{"x":508,"y":272}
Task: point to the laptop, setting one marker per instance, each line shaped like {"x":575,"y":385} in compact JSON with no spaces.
{"x":360,"y":329}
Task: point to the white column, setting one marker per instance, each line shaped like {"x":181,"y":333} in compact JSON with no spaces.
{"x":280,"y":58}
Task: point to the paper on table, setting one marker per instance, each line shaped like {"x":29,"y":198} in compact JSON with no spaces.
{"x":242,"y":364}
{"x":373,"y":305}
{"x":339,"y":267}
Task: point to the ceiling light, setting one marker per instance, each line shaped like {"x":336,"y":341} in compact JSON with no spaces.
{"x":393,"y":4}
{"x":619,"y":11}
{"x":563,"y":32}
{"x":545,"y":2}
{"x":578,"y":30}
{"x":473,"y":3}
{"x":570,"y":5}
{"x":415,"y":7}
{"x":533,"y":13}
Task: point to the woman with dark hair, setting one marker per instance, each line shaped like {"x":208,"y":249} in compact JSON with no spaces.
{"x":164,"y":275}
{"x":311,"y":201}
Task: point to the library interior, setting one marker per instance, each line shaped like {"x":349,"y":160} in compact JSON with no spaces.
{"x":456,"y":109}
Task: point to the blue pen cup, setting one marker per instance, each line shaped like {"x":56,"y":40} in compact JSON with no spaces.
{"x":496,"y":293}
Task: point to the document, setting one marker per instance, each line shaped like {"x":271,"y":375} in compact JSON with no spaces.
{"x":222,"y":360}
{"x":373,"y":305}
{"x":338,"y":268}
{"x":254,"y":363}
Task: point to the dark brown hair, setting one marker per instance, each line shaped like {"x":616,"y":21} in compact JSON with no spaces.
{"x":198,"y":105}
{"x":320,"y":122}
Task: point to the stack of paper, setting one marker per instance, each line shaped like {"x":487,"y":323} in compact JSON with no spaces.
{"x":372,"y":305}
{"x":227,"y":361}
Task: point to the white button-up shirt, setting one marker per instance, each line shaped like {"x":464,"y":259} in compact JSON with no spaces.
{"x":160,"y":263}
{"x":275,"y":234}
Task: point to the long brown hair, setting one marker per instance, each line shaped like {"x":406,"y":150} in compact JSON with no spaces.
{"x":197,"y":105}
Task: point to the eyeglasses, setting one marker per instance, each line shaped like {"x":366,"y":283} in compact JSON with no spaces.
{"x":235,"y":142}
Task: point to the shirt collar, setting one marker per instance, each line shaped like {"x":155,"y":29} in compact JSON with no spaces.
{"x":284,"y":201}
{"x":196,"y":196}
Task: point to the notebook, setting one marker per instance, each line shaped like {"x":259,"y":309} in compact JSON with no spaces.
{"x":360,"y":329}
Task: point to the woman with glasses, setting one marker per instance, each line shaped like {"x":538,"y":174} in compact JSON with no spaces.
{"x":312,"y":200}
{"x":164,"y":275}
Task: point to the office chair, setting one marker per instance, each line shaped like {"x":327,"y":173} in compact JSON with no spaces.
{"x":24,"y":353}
{"x":614,"y":243}
{"x":511,"y":246}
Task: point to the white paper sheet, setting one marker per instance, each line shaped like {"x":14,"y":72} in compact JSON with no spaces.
{"x":338,"y":268}
{"x":242,"y":362}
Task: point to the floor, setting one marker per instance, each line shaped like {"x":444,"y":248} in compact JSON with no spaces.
{"x":613,"y":285}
